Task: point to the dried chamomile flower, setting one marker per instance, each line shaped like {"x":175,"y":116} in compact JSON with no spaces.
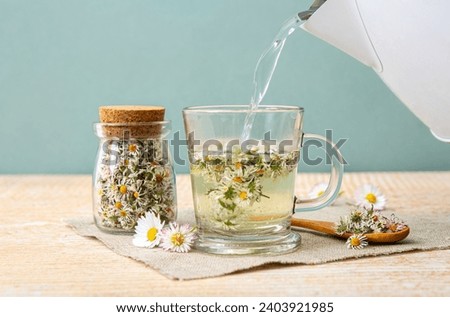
{"x":342,"y":226}
{"x":139,"y":180}
{"x":395,"y":224}
{"x":362,"y":221}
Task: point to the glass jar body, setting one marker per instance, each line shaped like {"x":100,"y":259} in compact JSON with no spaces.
{"x":133,"y":175}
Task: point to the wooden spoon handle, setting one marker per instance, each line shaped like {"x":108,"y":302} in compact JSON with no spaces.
{"x":317,"y":225}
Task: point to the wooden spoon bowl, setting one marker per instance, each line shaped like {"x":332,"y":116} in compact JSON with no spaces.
{"x":330,"y":228}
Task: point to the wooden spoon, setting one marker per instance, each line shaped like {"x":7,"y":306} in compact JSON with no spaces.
{"x":330,"y":228}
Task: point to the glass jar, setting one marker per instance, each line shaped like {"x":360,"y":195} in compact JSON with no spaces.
{"x":133,"y":175}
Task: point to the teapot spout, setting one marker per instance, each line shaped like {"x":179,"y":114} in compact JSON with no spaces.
{"x":305,"y":15}
{"x":339,"y":23}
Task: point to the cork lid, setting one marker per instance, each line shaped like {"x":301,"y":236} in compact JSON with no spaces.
{"x":129,"y":113}
{"x":131,"y":121}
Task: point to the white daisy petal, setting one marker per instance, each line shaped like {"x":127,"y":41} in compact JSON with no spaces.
{"x":317,"y":190}
{"x":177,"y":238}
{"x":148,"y":231}
{"x":139,"y":242}
{"x":357,"y":241}
{"x":368,"y":196}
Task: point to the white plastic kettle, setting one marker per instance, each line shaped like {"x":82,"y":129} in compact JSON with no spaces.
{"x":407,"y":42}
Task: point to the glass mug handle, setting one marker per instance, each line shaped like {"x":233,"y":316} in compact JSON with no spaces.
{"x":334,"y":184}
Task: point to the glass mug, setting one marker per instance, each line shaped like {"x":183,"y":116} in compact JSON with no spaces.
{"x":244,"y":191}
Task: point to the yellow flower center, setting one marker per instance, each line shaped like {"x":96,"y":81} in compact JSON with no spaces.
{"x":123,"y":189}
{"x":371,"y":198}
{"x":238,"y":165}
{"x":123,"y":213}
{"x":177,"y":239}
{"x":355,"y":241}
{"x":320,"y":193}
{"x":100,"y":191}
{"x":151,"y":234}
{"x":237,"y":179}
{"x":136,"y":195}
{"x":126,"y":162}
{"x":132,"y":147}
{"x":118,"y":205}
{"x":243,"y":195}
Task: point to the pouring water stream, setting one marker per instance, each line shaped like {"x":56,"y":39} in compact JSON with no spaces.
{"x":265,"y":67}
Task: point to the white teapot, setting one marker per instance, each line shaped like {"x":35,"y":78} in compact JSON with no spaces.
{"x":407,"y":42}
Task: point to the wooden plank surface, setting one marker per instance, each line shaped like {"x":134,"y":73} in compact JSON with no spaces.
{"x":40,"y":255}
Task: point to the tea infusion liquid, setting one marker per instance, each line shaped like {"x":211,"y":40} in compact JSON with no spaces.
{"x":247,"y":193}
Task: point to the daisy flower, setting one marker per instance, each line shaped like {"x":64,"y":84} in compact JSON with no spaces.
{"x":148,"y":231}
{"x":356,"y":241}
{"x":317,"y":190}
{"x":178,"y":238}
{"x":369,"y":195}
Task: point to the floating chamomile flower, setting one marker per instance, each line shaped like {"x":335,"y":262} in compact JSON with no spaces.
{"x":317,"y":190}
{"x":148,"y":231}
{"x":356,"y":241}
{"x":178,"y":238}
{"x":369,"y":196}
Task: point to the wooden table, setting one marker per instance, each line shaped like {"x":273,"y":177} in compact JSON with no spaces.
{"x":41,"y":255}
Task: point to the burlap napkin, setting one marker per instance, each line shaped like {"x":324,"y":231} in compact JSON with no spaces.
{"x":427,"y":233}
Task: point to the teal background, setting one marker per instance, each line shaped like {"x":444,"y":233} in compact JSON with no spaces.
{"x":61,"y":59}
